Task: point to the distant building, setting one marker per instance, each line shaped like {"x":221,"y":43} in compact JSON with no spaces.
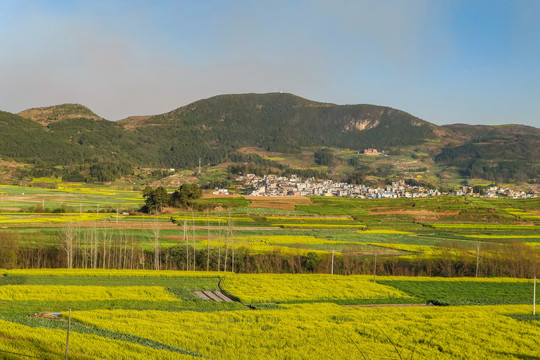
{"x":371,"y":152}
{"x":220,"y":192}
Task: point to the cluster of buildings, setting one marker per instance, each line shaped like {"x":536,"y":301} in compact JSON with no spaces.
{"x":273,"y":185}
{"x":494,"y":192}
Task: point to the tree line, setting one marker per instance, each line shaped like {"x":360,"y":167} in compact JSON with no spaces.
{"x":93,"y":248}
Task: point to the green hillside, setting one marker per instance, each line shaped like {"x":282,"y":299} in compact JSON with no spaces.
{"x":269,"y":132}
{"x":284,"y":123}
{"x":500,"y":154}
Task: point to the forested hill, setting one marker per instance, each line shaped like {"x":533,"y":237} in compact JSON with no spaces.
{"x":211,"y":129}
{"x":215,"y":129}
{"x":276,"y":122}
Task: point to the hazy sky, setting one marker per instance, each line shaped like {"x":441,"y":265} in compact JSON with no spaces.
{"x":445,"y":61}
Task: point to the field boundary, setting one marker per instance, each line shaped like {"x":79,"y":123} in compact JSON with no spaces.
{"x":388,"y":305}
{"x":232,"y":297}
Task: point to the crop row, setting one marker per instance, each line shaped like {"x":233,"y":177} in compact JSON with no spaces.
{"x":517,"y":236}
{"x":384,"y":231}
{"x":311,"y":218}
{"x":318,"y":225}
{"x":484,"y":226}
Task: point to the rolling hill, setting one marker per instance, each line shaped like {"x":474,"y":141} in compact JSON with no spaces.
{"x":220,"y":129}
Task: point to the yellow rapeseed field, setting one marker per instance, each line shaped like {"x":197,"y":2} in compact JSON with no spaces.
{"x":109,"y":273}
{"x":253,"y":288}
{"x":329,"y":331}
{"x":86,"y":293}
{"x":50,"y":344}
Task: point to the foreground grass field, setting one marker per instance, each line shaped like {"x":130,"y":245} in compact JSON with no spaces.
{"x":123,"y":314}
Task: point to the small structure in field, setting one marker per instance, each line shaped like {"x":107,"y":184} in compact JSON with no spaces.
{"x":220,"y":192}
{"x":371,"y":151}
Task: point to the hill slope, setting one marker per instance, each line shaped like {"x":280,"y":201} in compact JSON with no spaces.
{"x":50,"y":114}
{"x":276,"y":122}
{"x":216,"y":129}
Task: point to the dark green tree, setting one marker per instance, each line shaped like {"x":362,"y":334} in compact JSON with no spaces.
{"x":184,"y":195}
{"x":323,"y":157}
{"x":155,"y":199}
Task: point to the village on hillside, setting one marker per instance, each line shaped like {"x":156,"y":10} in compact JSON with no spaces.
{"x":273,"y":185}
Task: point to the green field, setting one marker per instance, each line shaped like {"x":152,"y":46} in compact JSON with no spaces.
{"x":104,"y":219}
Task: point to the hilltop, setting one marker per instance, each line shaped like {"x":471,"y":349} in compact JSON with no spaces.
{"x":50,"y":114}
{"x":274,"y":132}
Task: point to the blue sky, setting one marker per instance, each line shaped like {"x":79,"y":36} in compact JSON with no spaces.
{"x":445,"y":61}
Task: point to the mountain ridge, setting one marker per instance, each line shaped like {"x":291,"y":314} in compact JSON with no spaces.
{"x":215,"y":129}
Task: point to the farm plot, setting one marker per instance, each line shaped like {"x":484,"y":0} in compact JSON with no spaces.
{"x":75,"y":196}
{"x":22,"y":341}
{"x":170,"y":320}
{"x":270,"y":288}
{"x":469,"y":291}
{"x":27,"y":291}
{"x":298,"y":243}
{"x":314,"y":331}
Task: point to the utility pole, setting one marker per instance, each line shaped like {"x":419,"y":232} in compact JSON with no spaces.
{"x":207,"y":242}
{"x":219,"y":245}
{"x":332,"y":262}
{"x":534,"y":296}
{"x":187,"y":244}
{"x":374,"y":266}
{"x":232,"y":244}
{"x":194,"y":251}
{"x":477,"y":257}
{"x":69,"y":329}
{"x":199,"y":165}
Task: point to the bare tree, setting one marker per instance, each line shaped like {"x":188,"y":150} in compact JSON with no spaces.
{"x":67,"y":242}
{"x":219,"y":245}
{"x":187,"y":244}
{"x":9,"y":248}
{"x":226,"y":246}
{"x":232,"y":243}
{"x":155,"y":229}
{"x":207,"y":242}
{"x":477,"y":257}
{"x":194,"y":251}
